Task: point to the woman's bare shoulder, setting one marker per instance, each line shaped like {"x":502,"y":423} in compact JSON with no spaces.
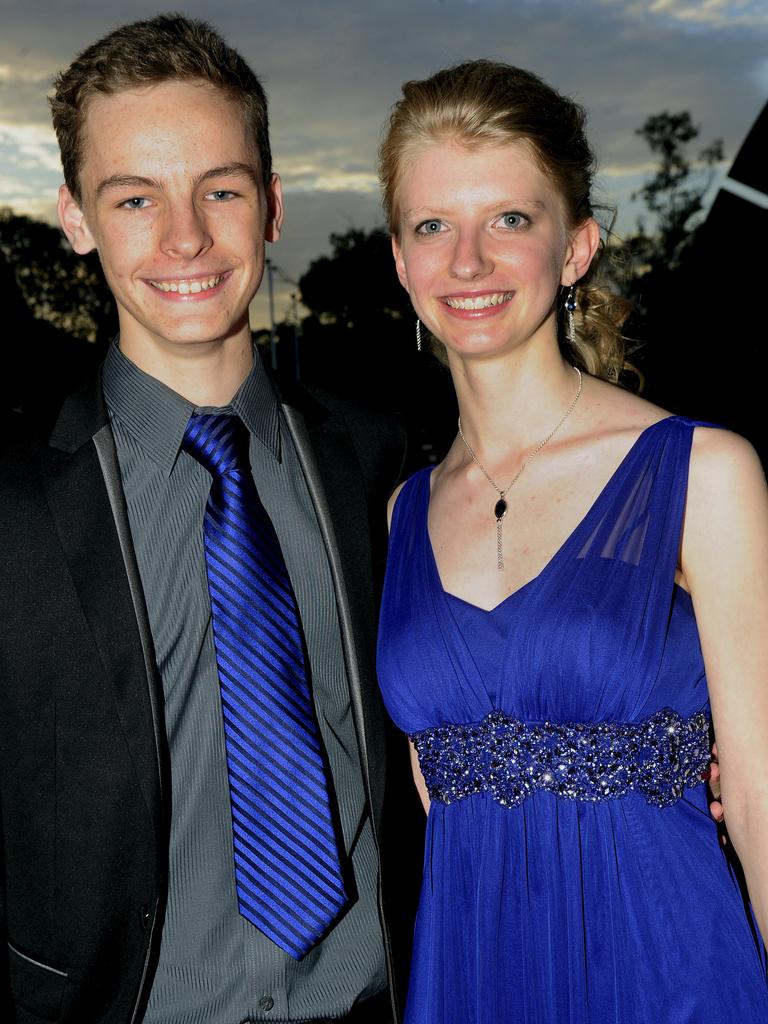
{"x":614,"y":418}
{"x":725,"y":534}
{"x":396,"y":493}
{"x":718,"y":455}
{"x":613,"y":408}
{"x":724,"y":467}
{"x":392,"y":499}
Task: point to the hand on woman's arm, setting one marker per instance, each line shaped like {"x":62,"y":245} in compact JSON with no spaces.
{"x":715,"y":803}
{"x":725,"y":564}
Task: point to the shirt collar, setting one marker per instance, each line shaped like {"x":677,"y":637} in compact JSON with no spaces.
{"x":257,"y":406}
{"x":157,"y":416}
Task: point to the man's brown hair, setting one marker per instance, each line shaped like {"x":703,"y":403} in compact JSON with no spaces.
{"x":169,"y":47}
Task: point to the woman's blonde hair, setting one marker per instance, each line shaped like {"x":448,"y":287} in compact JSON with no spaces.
{"x":483,"y":102}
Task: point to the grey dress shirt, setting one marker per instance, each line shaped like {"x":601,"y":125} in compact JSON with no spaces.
{"x":214,"y":966}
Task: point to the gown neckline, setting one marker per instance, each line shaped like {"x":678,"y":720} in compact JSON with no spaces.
{"x":555,"y":557}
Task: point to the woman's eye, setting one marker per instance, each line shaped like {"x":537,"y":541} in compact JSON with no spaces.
{"x":429,"y":227}
{"x":513,"y":220}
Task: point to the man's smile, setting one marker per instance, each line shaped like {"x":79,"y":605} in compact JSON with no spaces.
{"x":188,"y":285}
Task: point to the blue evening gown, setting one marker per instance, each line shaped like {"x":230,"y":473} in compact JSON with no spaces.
{"x":572,"y":872}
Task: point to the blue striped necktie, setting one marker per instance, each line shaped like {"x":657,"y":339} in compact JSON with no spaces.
{"x":287,"y":869}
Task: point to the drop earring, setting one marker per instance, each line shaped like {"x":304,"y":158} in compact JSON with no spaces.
{"x":418,"y":335}
{"x":570,"y":306}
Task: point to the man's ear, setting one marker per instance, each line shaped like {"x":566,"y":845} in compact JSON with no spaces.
{"x":582,"y":246}
{"x":274,"y":209}
{"x":73,"y":223}
{"x":397,"y":252}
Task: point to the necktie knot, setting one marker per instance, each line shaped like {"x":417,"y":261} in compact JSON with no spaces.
{"x":218,"y":441}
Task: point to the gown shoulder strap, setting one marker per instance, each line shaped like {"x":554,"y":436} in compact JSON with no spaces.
{"x":642,"y":519}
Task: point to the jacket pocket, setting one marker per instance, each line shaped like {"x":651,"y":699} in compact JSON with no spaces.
{"x":36,"y":985}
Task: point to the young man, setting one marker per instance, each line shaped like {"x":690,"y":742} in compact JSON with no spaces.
{"x":191,"y":740}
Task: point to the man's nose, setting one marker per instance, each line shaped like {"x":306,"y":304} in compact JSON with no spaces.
{"x":185,"y":233}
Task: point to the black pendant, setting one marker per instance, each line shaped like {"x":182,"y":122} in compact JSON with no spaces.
{"x":500,"y":509}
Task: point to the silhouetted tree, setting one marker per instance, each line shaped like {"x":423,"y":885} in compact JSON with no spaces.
{"x":356,"y":282}
{"x":676,"y":192}
{"x":359,"y":339}
{"x":662,"y":268}
{"x":65,"y":290}
{"x":41,"y":364}
{"x":357,"y":321}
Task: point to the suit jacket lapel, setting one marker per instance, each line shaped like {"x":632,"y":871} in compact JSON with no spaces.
{"x":85,"y":497}
{"x":334,"y":479}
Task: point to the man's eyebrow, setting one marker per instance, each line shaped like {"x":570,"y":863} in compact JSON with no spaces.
{"x":124,"y":181}
{"x":233,"y":170}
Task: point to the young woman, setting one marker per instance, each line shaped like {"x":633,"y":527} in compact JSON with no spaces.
{"x":568,"y":593}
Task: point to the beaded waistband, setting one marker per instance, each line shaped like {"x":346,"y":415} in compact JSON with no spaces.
{"x":658,"y":757}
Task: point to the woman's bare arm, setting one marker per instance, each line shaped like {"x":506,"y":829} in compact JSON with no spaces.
{"x":418,"y":778}
{"x":725,"y":563}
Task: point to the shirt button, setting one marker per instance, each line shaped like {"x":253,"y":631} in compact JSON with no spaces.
{"x":266,"y":1003}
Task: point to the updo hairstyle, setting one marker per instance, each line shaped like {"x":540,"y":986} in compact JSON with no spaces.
{"x":482,"y":102}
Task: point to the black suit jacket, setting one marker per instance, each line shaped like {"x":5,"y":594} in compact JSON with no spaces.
{"x":83,"y":757}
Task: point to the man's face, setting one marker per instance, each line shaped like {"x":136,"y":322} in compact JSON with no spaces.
{"x":173,"y":200}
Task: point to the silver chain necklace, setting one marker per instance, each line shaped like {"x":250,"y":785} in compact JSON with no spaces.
{"x":500,"y":508}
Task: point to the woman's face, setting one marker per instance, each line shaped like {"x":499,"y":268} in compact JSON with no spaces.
{"x":484,"y":245}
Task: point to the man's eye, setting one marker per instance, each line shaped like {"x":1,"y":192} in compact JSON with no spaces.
{"x":429,"y":227}
{"x":134,"y":203}
{"x":221,"y":194}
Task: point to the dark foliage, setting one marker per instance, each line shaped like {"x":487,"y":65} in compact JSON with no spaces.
{"x":42,"y":364}
{"x":360,"y":340}
{"x":694,"y":283}
{"x":66,"y":290}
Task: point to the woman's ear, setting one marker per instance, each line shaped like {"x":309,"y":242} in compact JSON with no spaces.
{"x":397,"y":252}
{"x":583,"y":243}
{"x":73,"y":223}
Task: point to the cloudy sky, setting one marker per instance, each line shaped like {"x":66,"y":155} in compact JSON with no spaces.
{"x":333,"y":68}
